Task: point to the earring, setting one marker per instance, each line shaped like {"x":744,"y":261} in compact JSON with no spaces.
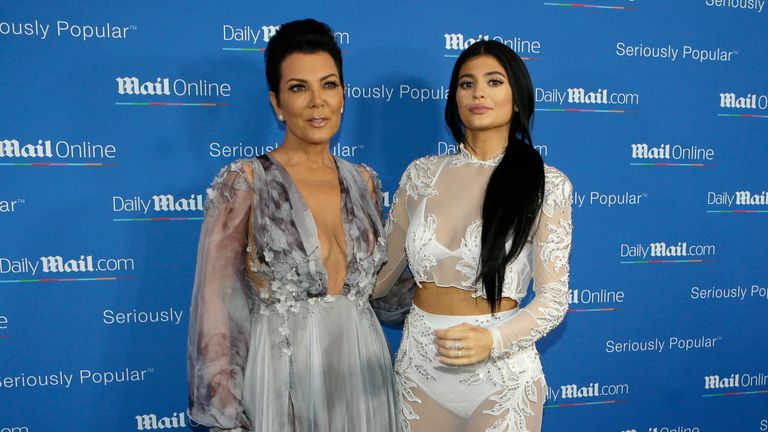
{"x":342,"y":110}
{"x":280,"y":117}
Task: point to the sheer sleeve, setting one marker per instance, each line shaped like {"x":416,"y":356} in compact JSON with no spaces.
{"x":219,"y":325}
{"x":551,"y":250}
{"x":393,"y":293}
{"x":374,"y":185}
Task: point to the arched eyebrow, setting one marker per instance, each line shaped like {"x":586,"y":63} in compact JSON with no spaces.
{"x":303,"y":81}
{"x":469,"y":75}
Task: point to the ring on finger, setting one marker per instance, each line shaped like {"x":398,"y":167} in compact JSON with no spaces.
{"x":456,"y":344}
{"x":459,"y":353}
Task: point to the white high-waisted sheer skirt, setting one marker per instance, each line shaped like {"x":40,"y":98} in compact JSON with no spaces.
{"x":504,"y":393}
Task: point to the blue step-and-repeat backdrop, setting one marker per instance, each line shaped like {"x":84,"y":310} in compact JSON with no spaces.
{"x":115,"y":116}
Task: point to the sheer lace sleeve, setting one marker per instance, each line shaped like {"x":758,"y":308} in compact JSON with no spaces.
{"x":219,"y":326}
{"x":393,"y":293}
{"x":551,"y":250}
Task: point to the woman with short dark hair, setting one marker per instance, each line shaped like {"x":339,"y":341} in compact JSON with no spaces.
{"x":282,"y":337}
{"x":475,"y":227}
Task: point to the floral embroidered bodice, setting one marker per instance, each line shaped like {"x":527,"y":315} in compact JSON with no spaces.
{"x":435,"y":225}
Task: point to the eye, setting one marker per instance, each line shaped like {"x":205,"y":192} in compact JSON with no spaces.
{"x":330,"y":84}
{"x":297,"y":87}
{"x":495,"y":82}
{"x":466,"y":84}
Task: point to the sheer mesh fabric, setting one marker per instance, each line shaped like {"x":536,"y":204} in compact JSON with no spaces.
{"x":431,"y":416}
{"x":219,"y":319}
{"x":435,"y":224}
{"x":434,"y":227}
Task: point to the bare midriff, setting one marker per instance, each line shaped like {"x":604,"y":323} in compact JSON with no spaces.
{"x":455,"y":301}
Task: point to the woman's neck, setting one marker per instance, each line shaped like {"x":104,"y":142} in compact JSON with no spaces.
{"x":293,"y":151}
{"x":487,"y":144}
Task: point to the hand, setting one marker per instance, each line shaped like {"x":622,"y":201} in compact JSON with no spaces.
{"x":463,"y":344}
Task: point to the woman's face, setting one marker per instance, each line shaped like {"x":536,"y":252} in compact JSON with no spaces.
{"x":484,"y":95}
{"x":311,"y":97}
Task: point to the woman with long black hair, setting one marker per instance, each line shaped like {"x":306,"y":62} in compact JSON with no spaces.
{"x":475,"y":227}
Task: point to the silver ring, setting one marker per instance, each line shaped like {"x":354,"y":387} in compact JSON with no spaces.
{"x":456,"y":344}
{"x":459,"y":353}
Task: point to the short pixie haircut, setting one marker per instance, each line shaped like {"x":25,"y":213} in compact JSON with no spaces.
{"x":305,"y":36}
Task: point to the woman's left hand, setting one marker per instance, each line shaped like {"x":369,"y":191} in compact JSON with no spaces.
{"x":463,"y":344}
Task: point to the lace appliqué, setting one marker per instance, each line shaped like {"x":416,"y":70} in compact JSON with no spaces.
{"x":557,"y":190}
{"x":420,"y":258}
{"x":513,"y":404}
{"x":558,"y":245}
{"x":513,"y":280}
{"x":470,"y":255}
{"x":412,"y":357}
{"x":418,"y":179}
{"x":463,"y":157}
{"x":516,"y":374}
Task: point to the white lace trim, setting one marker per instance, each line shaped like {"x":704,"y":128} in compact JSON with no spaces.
{"x":557,"y":191}
{"x":418,"y":254}
{"x":419,"y":179}
{"x":557,"y":246}
{"x":470,"y":254}
{"x":519,"y":392}
{"x":463,"y":156}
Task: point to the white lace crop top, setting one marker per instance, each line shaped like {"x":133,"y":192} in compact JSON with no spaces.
{"x":435,"y":224}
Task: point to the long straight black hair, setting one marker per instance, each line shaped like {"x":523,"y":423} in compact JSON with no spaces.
{"x":516,"y":187}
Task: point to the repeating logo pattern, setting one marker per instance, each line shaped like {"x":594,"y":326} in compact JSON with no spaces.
{"x":116,"y":116}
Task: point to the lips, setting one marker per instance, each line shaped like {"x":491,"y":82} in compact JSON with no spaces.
{"x":317,"y":121}
{"x":479,"y":109}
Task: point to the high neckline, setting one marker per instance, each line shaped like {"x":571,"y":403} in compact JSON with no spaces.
{"x":466,"y":156}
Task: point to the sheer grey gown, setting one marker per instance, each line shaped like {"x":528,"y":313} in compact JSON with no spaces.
{"x":269,"y":349}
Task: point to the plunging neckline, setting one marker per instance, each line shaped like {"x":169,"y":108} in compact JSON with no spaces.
{"x":312,"y":242}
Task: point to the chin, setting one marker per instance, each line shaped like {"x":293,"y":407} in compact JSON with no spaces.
{"x":317,"y":139}
{"x":481,"y":126}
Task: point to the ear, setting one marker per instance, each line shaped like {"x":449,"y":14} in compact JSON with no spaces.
{"x":275,"y":104}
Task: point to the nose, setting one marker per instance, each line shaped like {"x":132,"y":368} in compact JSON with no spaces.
{"x":478,"y":91}
{"x":315,"y":99}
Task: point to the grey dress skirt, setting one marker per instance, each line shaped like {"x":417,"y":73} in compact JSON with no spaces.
{"x":269,"y":349}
